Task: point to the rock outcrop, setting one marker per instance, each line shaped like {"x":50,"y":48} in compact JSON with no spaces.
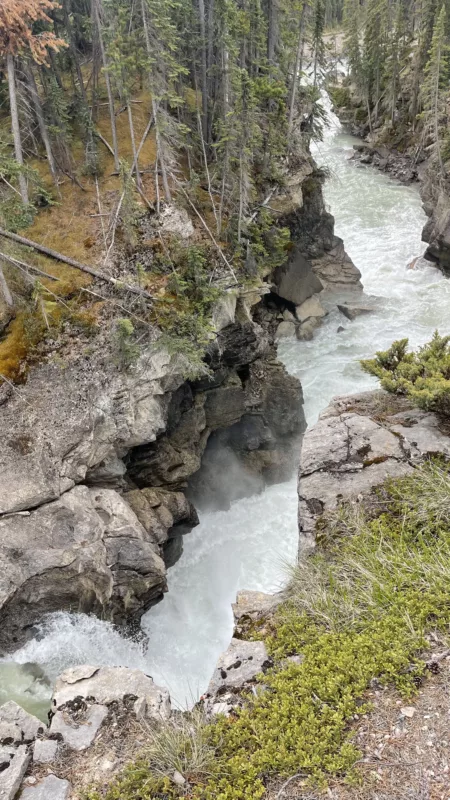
{"x":358,"y":442}
{"x":318,"y":259}
{"x":96,"y":462}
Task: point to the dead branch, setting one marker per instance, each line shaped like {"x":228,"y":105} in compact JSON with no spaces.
{"x":207,"y":229}
{"x":25,"y":267}
{"x":76,"y":264}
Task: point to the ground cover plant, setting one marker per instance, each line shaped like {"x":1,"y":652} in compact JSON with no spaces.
{"x":359,"y":609}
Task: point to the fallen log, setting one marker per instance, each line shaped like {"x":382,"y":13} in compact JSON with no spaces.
{"x":47,"y":251}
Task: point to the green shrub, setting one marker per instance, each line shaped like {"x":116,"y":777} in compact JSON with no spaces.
{"x":423,"y":376}
{"x":125,"y":349}
{"x":340,"y":96}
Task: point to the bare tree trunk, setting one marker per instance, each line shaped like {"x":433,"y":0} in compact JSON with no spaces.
{"x":204,"y":68}
{"x":297,"y":68}
{"x":95,"y":6}
{"x":160,"y":155}
{"x":159,"y":147}
{"x":272,"y":33}
{"x":16,"y":125}
{"x":4,"y":290}
{"x":133,"y":145}
{"x":66,"y":6}
{"x":36,"y":100}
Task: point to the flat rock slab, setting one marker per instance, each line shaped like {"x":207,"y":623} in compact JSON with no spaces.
{"x":238,"y":666}
{"x":45,"y":751}
{"x":13,"y":765}
{"x":79,"y":734}
{"x":51,"y":788}
{"x":17,"y":726}
{"x":105,"y":685}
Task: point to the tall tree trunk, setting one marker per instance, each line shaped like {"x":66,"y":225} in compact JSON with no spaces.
{"x":37,"y":105}
{"x":160,"y":159}
{"x":112,"y":115}
{"x":66,"y":6}
{"x":204,"y":68}
{"x":16,"y":125}
{"x":297,"y":68}
{"x":133,"y":145}
{"x":5,"y":290}
{"x":272,"y":32}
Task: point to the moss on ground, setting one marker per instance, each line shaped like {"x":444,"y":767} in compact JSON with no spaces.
{"x":359,"y":609}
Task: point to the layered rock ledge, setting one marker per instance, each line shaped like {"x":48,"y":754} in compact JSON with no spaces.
{"x":358,"y":442}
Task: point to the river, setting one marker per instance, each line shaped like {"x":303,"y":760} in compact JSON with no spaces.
{"x":249,"y":545}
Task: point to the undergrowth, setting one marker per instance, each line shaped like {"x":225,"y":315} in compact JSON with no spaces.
{"x":359,"y":609}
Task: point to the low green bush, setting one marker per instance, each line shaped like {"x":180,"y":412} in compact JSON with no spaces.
{"x":423,"y":376}
{"x":358,"y":609}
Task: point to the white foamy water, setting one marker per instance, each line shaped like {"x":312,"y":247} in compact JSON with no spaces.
{"x":380,"y":222}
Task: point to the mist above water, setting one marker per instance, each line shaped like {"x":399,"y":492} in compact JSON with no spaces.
{"x":245,"y":547}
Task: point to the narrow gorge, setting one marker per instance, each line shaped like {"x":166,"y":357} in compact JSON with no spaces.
{"x":224,"y":400}
{"x":244,"y":546}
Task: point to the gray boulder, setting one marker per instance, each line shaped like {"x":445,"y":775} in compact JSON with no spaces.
{"x":296,"y":281}
{"x":357,"y":443}
{"x":17,"y":726}
{"x":78,"y":731}
{"x":238,"y":667}
{"x":77,"y":419}
{"x":13,"y":765}
{"x":285,"y":329}
{"x":106,"y":685}
{"x":310,"y":308}
{"x":45,"y":751}
{"x":50,"y":788}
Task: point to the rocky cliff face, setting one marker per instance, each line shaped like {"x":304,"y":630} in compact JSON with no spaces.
{"x":96,"y":462}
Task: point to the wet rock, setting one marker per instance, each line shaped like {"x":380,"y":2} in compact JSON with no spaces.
{"x":354,"y":310}
{"x":335,"y":269}
{"x":50,"y":788}
{"x":305,"y":331}
{"x":78,"y":732}
{"x":238,"y":666}
{"x":106,"y":685}
{"x":13,"y":765}
{"x":225,"y":405}
{"x":78,"y":552}
{"x":45,"y":751}
{"x":284,"y":330}
{"x":310,"y":308}
{"x":296,"y":281}
{"x":17,"y":726}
